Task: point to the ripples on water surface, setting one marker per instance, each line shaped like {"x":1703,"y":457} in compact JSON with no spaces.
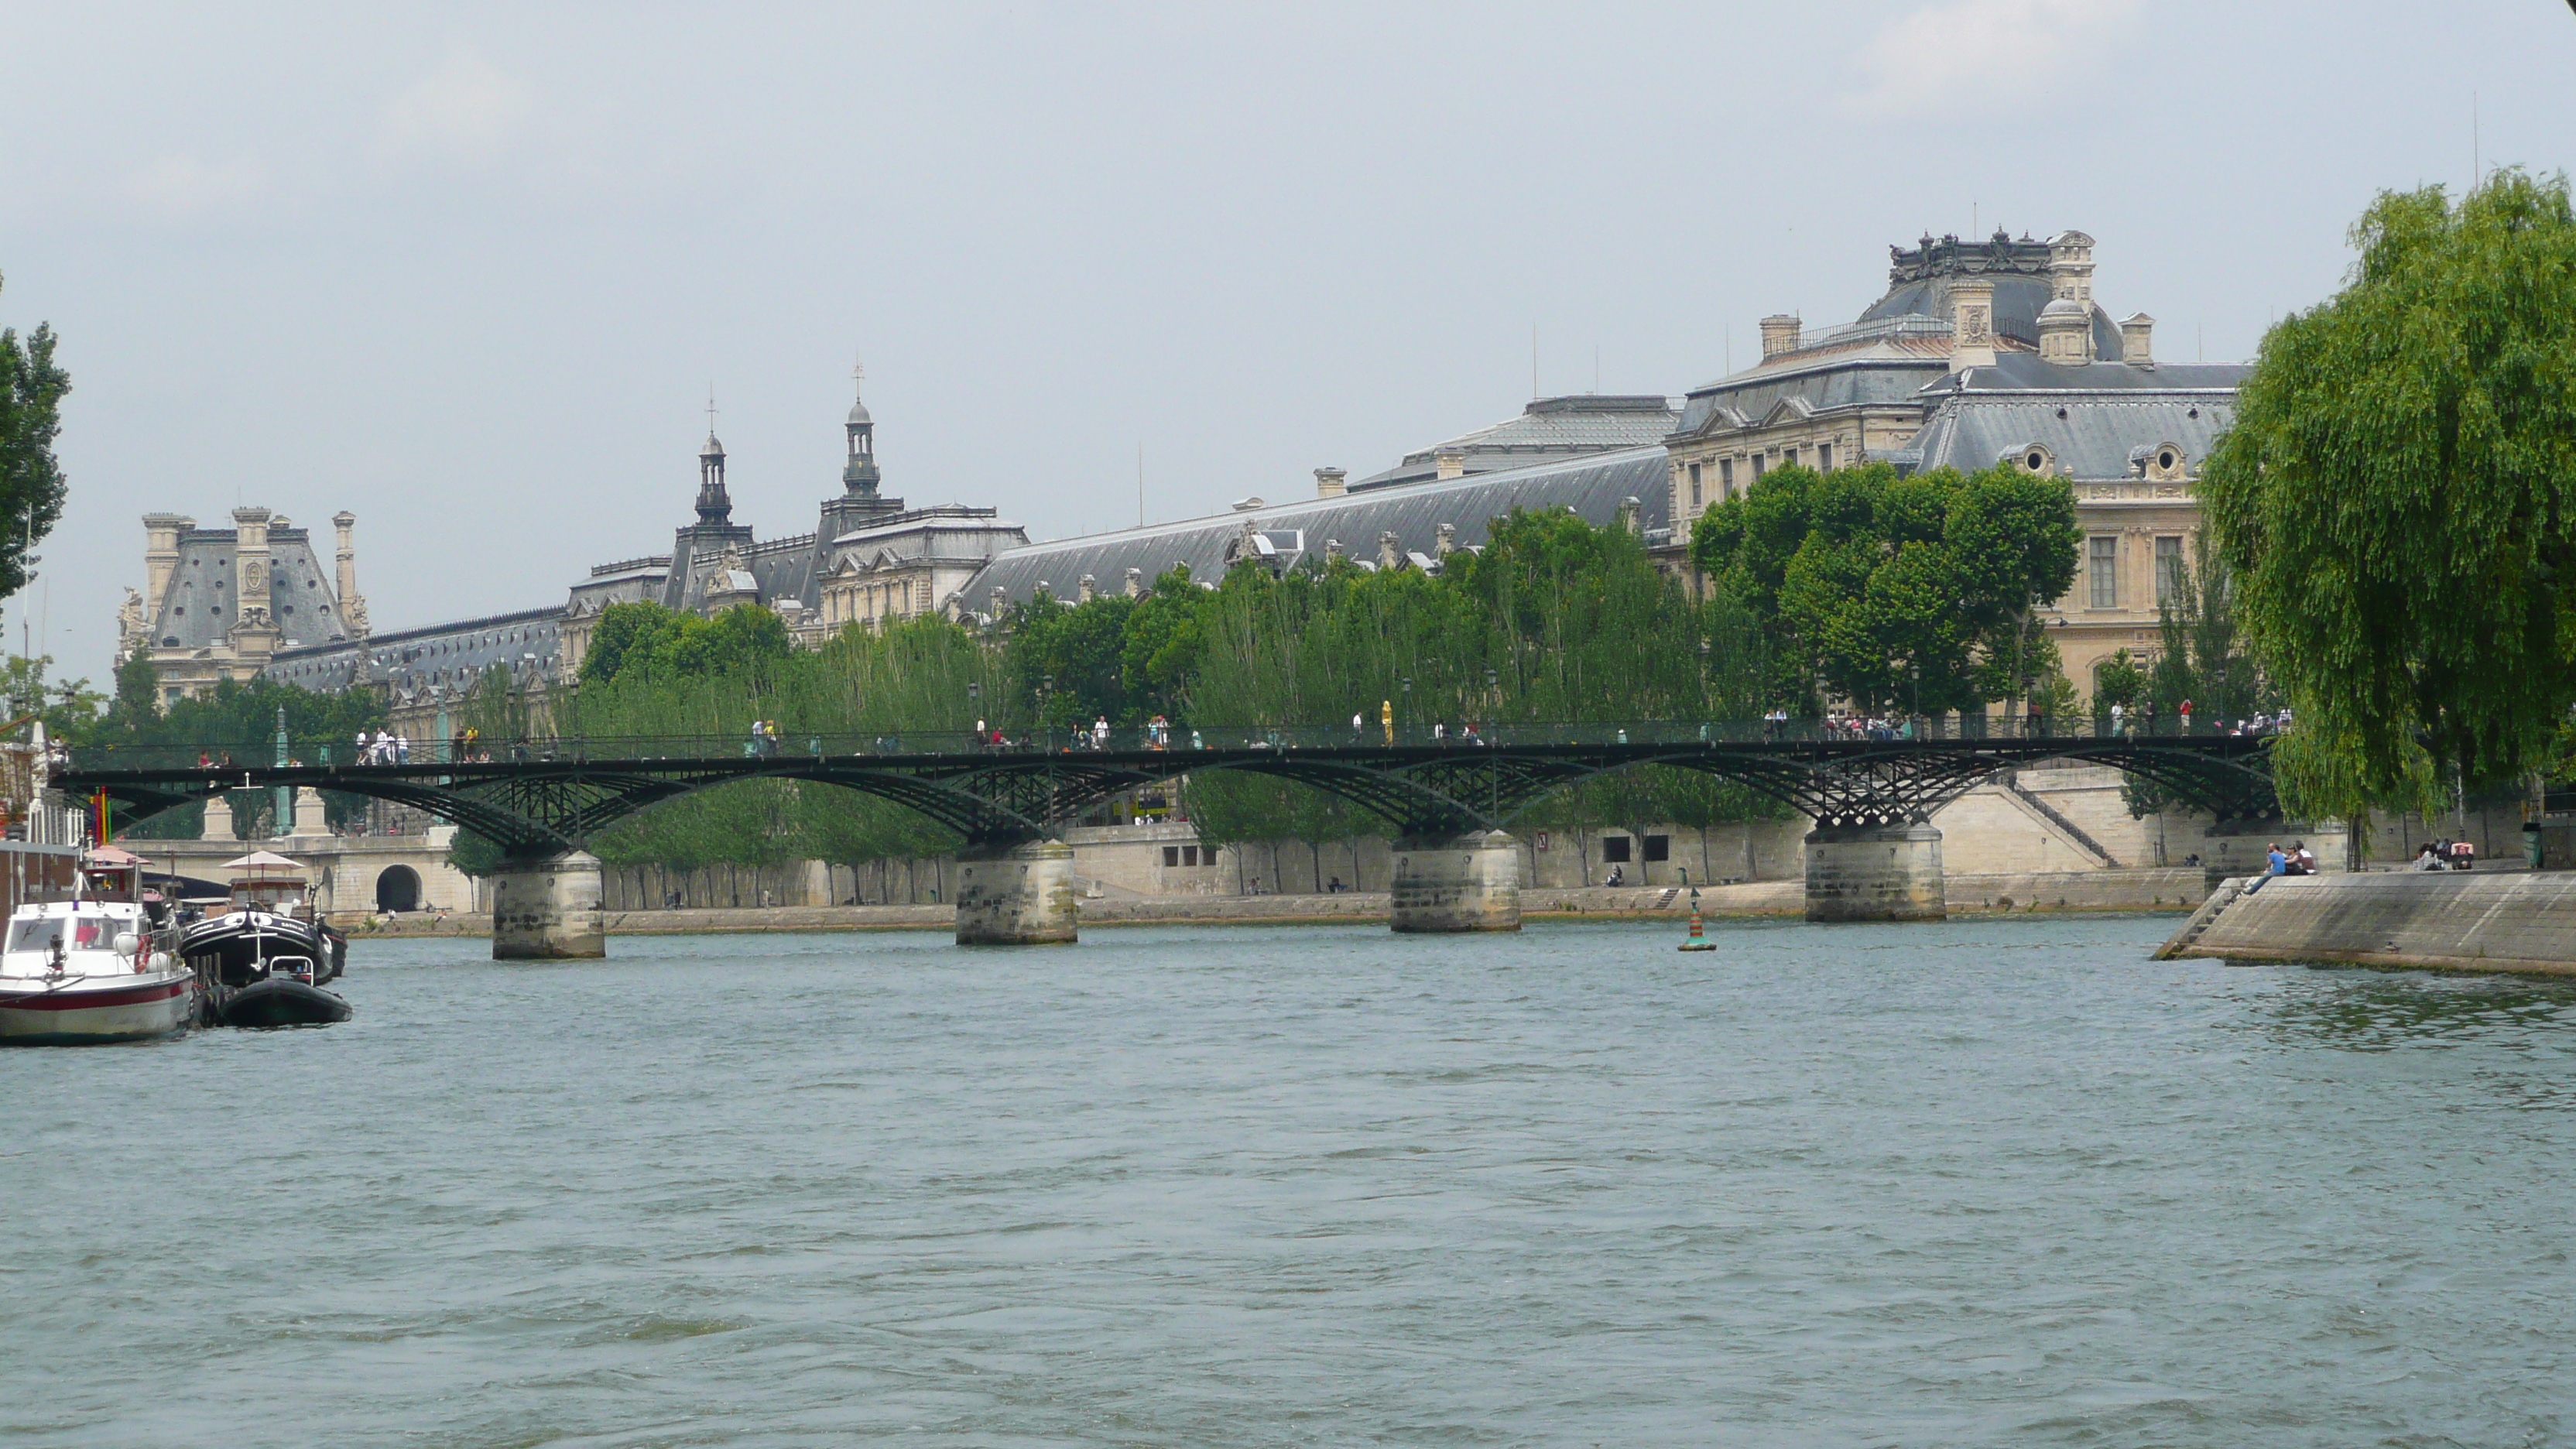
{"x":1988,"y":1182}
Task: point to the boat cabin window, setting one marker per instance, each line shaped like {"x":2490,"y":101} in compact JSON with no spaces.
{"x":87,"y":933}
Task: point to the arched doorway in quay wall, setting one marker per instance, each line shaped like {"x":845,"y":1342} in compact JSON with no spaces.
{"x":398,"y":889}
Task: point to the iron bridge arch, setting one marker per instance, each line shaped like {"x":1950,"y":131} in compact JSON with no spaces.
{"x":556,"y":797}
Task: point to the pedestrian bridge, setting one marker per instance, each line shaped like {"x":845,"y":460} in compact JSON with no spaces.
{"x":1451,"y":800}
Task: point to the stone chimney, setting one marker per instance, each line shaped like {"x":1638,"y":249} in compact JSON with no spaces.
{"x":1452,"y":463}
{"x":1631,"y":514}
{"x":1331,"y":482}
{"x":160,"y":557}
{"x":1135,"y":583}
{"x":2070,"y":267}
{"x":1448,"y":543}
{"x":1972,"y":323}
{"x":1387,"y":555}
{"x":2066,"y":323}
{"x":1087,"y":592}
{"x":1001,"y":601}
{"x":2137,"y":340}
{"x":1779,"y":334}
{"x":1332,"y":550}
{"x":353,"y":605}
{"x":2066,"y":333}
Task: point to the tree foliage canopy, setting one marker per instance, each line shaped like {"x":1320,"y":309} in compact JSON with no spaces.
{"x":31,"y":481}
{"x":1916,"y":594}
{"x":2396,"y":499}
{"x":645,"y":640}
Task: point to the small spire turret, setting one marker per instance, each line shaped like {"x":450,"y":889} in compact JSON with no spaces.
{"x":714,"y":504}
{"x":859,"y":476}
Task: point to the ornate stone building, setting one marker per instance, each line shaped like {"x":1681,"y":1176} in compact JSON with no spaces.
{"x":219,"y":604}
{"x":236,"y":603}
{"x":870,"y":559}
{"x":1982,"y":353}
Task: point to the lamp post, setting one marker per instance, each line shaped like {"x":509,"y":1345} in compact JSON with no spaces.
{"x":282,"y":800}
{"x":1046,"y":688}
{"x":1408,"y":696}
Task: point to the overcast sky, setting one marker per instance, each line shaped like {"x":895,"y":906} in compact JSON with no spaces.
{"x":470,"y":271}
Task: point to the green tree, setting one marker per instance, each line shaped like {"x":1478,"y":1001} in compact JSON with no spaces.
{"x":1161,"y":642}
{"x":31,"y":481}
{"x":236,"y":720}
{"x":1067,"y":662}
{"x":645,"y":639}
{"x":69,"y":708}
{"x":1916,"y":594}
{"x":136,"y":707}
{"x":623,"y":629}
{"x":2396,"y":501}
{"x":2117,"y":681}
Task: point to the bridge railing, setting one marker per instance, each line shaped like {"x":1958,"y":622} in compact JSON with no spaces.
{"x":1378,"y":733}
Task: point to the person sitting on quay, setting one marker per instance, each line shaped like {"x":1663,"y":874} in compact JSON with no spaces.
{"x":2274,"y":863}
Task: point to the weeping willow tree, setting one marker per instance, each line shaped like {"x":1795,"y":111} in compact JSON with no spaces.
{"x":2396,"y":502}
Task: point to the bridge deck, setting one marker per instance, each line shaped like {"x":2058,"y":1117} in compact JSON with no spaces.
{"x":541,"y":795}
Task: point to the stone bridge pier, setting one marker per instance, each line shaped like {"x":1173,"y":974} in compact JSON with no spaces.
{"x":1875,"y":873}
{"x":547,"y":908}
{"x":1446,"y":884}
{"x":1016,"y":895}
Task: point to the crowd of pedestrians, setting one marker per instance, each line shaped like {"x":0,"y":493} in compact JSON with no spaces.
{"x":383,"y":748}
{"x":2445,"y":855}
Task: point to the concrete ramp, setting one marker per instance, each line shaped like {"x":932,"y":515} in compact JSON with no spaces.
{"x":2464,"y":921}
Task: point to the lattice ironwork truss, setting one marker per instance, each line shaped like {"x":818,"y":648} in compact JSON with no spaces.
{"x":541,"y":807}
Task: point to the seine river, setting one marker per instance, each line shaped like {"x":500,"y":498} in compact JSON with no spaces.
{"x":1994,"y":1182}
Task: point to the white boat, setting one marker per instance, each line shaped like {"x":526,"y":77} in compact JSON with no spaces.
{"x":96,"y":968}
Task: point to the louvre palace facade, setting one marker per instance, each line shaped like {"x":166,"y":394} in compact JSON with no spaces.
{"x":1978,"y":352}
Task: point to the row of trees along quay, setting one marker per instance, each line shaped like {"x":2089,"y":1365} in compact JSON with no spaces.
{"x":2391,"y":541}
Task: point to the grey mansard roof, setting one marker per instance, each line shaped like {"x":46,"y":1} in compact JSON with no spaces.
{"x":201,"y":603}
{"x":785,"y":569}
{"x":1551,"y":427}
{"x":2098,"y":423}
{"x":2024,"y":372}
{"x":443,"y":656}
{"x":1595,"y":487}
{"x":1877,"y":362}
{"x":1901,"y":342}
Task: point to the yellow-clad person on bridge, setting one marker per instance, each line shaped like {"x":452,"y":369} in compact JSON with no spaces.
{"x":1386,"y":716}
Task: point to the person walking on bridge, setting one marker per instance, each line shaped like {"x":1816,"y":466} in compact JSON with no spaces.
{"x":1386,"y":717}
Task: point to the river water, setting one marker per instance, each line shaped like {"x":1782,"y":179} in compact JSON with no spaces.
{"x":1990,"y":1182}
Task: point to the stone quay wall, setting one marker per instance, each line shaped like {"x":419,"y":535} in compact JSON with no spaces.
{"x":2052,"y":891}
{"x":2523,"y":921}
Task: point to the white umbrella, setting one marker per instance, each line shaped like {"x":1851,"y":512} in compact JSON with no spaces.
{"x":262,"y":857}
